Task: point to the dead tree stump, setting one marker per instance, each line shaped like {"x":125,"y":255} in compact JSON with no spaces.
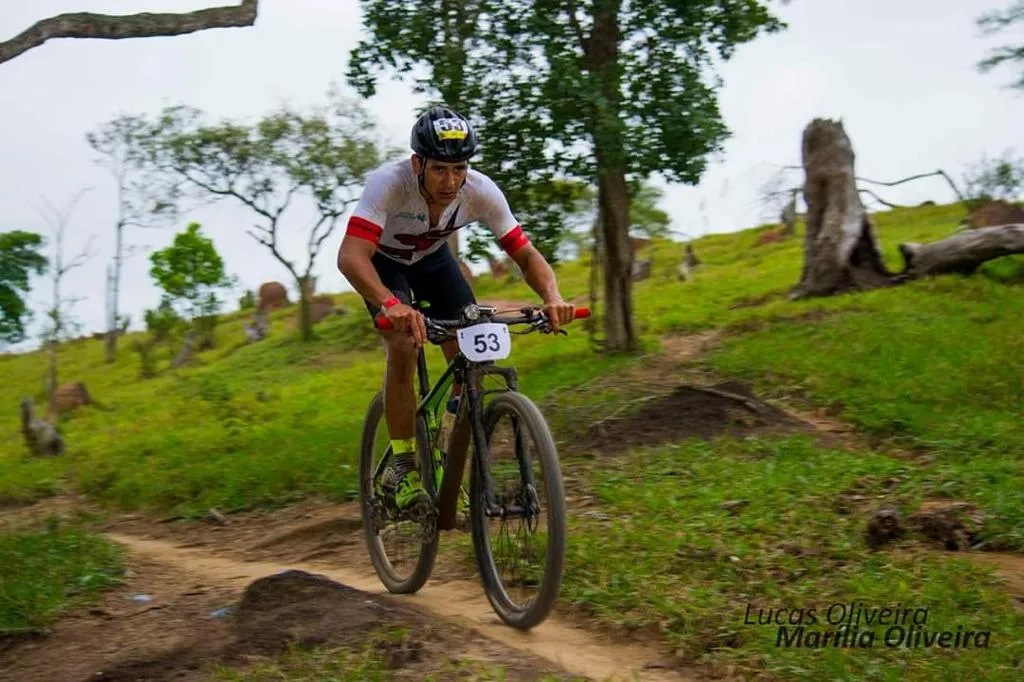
{"x":841,"y":250}
{"x":41,"y":437}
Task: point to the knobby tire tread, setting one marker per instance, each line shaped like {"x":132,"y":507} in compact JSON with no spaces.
{"x":531,"y":418}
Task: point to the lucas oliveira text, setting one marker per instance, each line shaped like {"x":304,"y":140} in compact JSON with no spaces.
{"x":859,"y":625}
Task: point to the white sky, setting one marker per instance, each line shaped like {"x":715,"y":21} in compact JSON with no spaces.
{"x":900,"y":73}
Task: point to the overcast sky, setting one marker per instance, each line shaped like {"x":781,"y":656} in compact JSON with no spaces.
{"x":900,"y":73}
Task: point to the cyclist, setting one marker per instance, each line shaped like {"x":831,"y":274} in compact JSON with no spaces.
{"x":395,"y":245}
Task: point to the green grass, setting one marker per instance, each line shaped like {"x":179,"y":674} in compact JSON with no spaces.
{"x":44,"y":573}
{"x":669,"y":558}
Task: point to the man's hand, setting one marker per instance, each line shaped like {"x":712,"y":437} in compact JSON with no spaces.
{"x":559,"y":312}
{"x":407,"y":318}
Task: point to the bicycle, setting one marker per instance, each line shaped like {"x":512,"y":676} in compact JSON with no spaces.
{"x":483,"y":337}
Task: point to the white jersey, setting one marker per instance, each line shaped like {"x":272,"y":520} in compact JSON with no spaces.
{"x":393,"y":214}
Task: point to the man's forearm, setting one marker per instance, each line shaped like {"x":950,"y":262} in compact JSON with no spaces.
{"x":364,"y":279}
{"x":541,"y":278}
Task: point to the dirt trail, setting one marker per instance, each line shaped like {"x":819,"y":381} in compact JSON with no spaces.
{"x":460,"y":602}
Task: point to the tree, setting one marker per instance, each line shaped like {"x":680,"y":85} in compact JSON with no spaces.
{"x":1001,"y":178}
{"x":993,"y":22}
{"x":118,"y":27}
{"x":324,"y":155}
{"x":119,"y":145}
{"x":604,"y":91}
{"x":190,"y":271}
{"x":19,"y":258}
{"x":61,"y":323}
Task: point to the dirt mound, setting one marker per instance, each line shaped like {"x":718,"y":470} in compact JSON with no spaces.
{"x":309,"y":610}
{"x":951,"y":524}
{"x":729,"y":408}
{"x":274,"y":613}
{"x":996,"y":213}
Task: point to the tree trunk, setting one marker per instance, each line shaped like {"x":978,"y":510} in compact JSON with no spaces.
{"x":601,"y":60}
{"x":114,"y":323}
{"x":963,"y":252}
{"x":52,"y":388}
{"x":613,"y":195}
{"x":841,"y":250}
{"x":186,"y":348}
{"x":306,"y":287}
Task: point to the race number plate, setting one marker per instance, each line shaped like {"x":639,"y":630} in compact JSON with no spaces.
{"x":487,"y":341}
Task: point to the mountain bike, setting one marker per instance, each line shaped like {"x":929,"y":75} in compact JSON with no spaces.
{"x":532,"y":502}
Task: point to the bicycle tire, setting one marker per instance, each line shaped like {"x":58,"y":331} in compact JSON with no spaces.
{"x":531,"y":418}
{"x":378,"y":556}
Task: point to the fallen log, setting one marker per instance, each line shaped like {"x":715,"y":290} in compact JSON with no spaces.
{"x":962,"y":253}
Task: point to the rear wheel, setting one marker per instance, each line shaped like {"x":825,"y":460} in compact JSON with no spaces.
{"x":402,"y":550}
{"x":520,"y":542}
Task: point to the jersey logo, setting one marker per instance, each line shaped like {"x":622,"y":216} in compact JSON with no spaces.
{"x":451,"y":129}
{"x":422,"y":241}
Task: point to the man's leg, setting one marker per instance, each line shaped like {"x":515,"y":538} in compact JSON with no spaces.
{"x":399,"y":412}
{"x":399,"y":394}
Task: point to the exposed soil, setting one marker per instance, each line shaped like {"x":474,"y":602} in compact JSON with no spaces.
{"x":198,"y":619}
{"x":297,"y":575}
{"x":729,"y":409}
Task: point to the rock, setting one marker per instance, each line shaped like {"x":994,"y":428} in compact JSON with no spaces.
{"x":734,"y":506}
{"x":71,"y":396}
{"x":272,"y":295}
{"x":884,"y":527}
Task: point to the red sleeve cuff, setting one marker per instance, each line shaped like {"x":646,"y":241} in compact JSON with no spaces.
{"x":514,"y":240}
{"x":363,"y":229}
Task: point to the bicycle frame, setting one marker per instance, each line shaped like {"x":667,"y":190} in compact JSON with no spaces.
{"x":432,"y":400}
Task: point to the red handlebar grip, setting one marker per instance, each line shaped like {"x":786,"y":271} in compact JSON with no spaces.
{"x":581,"y":313}
{"x":383,"y":323}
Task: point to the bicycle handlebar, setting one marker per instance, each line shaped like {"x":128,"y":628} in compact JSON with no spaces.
{"x":384,"y":324}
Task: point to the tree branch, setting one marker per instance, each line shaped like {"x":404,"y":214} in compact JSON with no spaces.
{"x":880,"y":199}
{"x":918,"y":177}
{"x":230,"y":192}
{"x":117,"y":27}
{"x":84,"y":255}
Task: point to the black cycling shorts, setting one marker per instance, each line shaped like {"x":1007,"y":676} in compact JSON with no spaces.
{"x":436,"y":279}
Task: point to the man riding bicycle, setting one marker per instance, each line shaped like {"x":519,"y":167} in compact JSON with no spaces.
{"x":395,"y":245}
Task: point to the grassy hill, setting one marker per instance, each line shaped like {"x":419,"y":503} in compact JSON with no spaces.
{"x":931,"y":374}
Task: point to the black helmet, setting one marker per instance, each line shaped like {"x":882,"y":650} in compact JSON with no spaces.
{"x":443,"y":134}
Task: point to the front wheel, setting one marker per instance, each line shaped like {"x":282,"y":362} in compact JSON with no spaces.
{"x":517,"y":512}
{"x":402,"y":550}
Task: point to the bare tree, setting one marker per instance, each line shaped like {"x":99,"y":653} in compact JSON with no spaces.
{"x":118,"y":144}
{"x":122,"y":26}
{"x":61,"y":322}
{"x":322,"y":156}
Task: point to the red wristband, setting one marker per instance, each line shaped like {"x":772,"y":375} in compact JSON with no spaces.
{"x":390,"y":302}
